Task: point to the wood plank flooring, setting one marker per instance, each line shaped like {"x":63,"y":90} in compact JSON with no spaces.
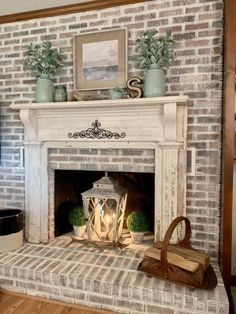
{"x":16,"y":303}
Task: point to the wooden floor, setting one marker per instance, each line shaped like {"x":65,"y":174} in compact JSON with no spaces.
{"x":16,"y":303}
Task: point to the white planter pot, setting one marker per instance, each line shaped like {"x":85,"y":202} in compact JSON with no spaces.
{"x":11,"y":242}
{"x":11,"y":229}
{"x":79,"y":230}
{"x":137,"y":237}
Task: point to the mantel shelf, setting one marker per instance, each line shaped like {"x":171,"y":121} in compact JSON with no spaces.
{"x":103,"y":103}
{"x":161,"y":118}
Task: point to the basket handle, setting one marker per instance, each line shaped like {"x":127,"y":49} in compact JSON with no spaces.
{"x":185,"y":242}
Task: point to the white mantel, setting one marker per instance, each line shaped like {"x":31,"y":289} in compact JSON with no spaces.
{"x":156,"y":123}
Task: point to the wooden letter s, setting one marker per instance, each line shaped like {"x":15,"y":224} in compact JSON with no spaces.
{"x":135,"y":88}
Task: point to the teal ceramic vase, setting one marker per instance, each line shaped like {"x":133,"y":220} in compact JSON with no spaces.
{"x":44,"y":89}
{"x":154,"y":83}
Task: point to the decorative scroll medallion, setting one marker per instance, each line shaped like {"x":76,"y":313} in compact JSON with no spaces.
{"x":96,"y":132}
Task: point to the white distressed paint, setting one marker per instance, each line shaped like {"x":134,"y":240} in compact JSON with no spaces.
{"x":158,"y":123}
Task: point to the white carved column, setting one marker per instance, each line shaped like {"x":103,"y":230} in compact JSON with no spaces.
{"x":33,"y":177}
{"x":33,"y":186}
{"x":170,"y":162}
{"x":166,"y":177}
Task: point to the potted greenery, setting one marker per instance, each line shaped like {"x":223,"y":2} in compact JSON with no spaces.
{"x":137,"y":225}
{"x":43,"y":61}
{"x":117,"y":93}
{"x":154,"y":54}
{"x":77,"y":219}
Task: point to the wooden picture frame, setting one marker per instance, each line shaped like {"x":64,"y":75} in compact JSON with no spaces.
{"x":100,"y":59}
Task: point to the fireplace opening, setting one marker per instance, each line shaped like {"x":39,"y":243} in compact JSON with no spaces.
{"x":69,"y":184}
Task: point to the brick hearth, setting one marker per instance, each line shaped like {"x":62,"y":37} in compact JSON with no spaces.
{"x":107,"y":280}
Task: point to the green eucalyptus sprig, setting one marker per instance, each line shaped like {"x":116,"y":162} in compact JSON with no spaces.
{"x":154,"y":50}
{"x":42,"y":59}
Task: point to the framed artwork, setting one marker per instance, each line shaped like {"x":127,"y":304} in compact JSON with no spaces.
{"x":100,"y":59}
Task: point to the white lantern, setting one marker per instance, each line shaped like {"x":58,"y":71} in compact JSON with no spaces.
{"x":104,"y":208}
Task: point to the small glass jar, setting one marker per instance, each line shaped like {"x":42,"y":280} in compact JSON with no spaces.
{"x":60,"y":93}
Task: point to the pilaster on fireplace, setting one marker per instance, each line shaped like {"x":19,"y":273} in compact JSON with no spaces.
{"x":158,"y":124}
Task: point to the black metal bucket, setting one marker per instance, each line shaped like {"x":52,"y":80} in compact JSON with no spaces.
{"x":11,"y":229}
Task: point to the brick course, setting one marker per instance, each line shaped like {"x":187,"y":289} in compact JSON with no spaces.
{"x":197,"y":71}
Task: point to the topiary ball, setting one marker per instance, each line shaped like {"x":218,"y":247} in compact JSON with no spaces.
{"x":137,"y":222}
{"x":76,"y":216}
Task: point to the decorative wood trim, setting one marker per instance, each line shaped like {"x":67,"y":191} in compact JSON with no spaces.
{"x":66,"y":9}
{"x":228,"y":140}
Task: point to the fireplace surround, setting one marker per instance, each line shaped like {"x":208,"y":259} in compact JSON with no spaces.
{"x":142,"y":135}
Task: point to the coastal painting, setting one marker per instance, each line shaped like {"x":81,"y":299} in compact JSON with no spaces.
{"x":100,"y":59}
{"x":102,"y":65}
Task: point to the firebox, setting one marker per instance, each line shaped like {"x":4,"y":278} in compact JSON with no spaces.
{"x":69,"y":184}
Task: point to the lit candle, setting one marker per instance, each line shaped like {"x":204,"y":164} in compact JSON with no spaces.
{"x":109,"y":221}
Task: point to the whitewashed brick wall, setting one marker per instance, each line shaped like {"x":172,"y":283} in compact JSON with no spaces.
{"x":197,"y":71}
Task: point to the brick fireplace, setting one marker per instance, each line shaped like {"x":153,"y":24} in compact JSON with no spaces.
{"x":141,"y":135}
{"x":146,"y":135}
{"x":197,"y":71}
